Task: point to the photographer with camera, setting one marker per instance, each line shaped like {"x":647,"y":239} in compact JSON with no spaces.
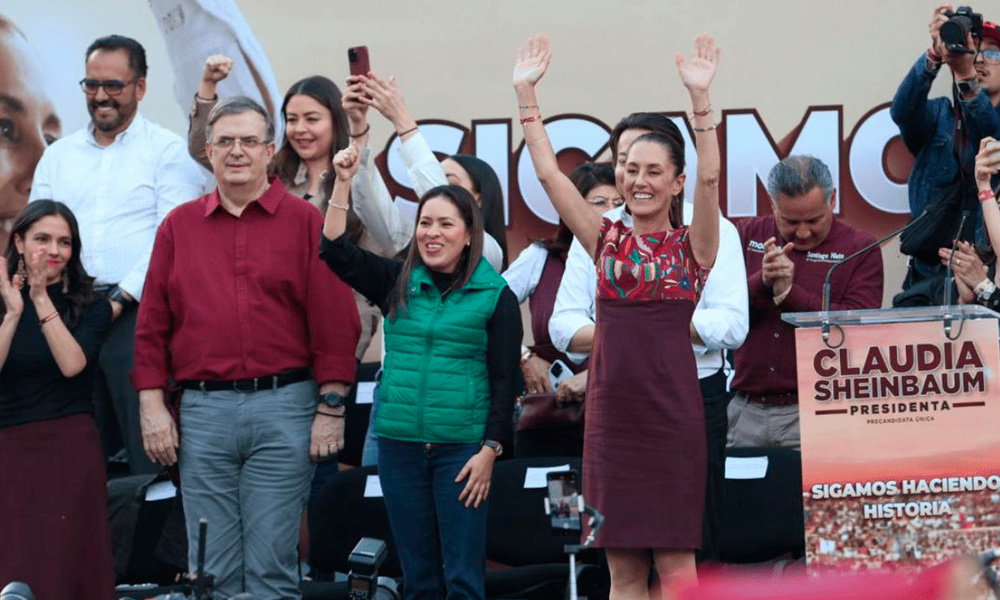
{"x":944,"y":135}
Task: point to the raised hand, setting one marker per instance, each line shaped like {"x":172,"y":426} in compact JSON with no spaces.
{"x":10,"y":290}
{"x":937,"y":21}
{"x":386,"y":98}
{"x":987,"y":161}
{"x":698,"y":71}
{"x":345,"y":163}
{"x":351,"y":100}
{"x":217,"y":68}
{"x":532,"y":61}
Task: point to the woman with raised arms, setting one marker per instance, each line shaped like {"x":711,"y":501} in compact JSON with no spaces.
{"x":644,"y":444}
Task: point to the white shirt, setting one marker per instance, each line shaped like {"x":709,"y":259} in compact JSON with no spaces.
{"x":721,"y":316}
{"x":119,"y":194}
{"x":524,"y":273}
{"x":381,"y":217}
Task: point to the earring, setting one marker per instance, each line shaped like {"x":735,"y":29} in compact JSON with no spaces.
{"x":65,"y":281}
{"x":22,"y":270}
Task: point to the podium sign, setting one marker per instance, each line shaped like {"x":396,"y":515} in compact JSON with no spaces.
{"x":900,"y":432}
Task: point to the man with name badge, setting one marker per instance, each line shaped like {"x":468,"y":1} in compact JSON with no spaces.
{"x":788,"y":255}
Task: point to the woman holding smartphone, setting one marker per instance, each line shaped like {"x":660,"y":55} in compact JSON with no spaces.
{"x":452,"y":337}
{"x":644,"y":445}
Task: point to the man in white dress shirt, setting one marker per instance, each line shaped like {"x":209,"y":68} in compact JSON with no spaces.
{"x":120,"y":175}
{"x":720,"y":321}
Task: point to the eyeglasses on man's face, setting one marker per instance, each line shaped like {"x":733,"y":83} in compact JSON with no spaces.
{"x":991,"y":56}
{"x":246,"y":143}
{"x":112,"y":87}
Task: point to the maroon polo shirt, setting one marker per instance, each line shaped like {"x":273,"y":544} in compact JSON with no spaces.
{"x":765,"y":364}
{"x":231,"y":297}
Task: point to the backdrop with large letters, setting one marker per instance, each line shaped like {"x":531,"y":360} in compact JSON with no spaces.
{"x":803,"y":77}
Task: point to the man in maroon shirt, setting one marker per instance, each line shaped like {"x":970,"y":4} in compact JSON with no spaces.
{"x":241,"y":313}
{"x":788,"y":254}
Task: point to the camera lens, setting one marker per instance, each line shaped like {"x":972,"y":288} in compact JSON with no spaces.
{"x":956,"y":30}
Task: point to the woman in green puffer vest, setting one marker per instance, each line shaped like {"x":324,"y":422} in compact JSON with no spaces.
{"x":452,"y":340}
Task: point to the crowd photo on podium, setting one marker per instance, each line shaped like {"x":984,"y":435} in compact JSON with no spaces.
{"x":249,"y":317}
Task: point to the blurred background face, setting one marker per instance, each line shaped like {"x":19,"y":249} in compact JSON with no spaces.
{"x":27,"y":125}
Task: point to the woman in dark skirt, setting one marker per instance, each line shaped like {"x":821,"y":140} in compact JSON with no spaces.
{"x":644,"y":456}
{"x":53,"y":496}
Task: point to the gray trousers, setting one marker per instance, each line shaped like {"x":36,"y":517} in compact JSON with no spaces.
{"x":244,"y":465}
{"x":756,"y":426}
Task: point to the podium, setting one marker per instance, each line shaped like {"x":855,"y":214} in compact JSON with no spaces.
{"x":900,"y":422}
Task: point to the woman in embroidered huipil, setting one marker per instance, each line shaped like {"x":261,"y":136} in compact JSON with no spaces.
{"x":644,"y":445}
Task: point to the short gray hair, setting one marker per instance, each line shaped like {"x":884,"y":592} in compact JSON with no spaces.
{"x":797,"y":175}
{"x":234,"y":105}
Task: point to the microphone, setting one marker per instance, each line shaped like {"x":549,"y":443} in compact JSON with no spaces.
{"x":846,"y":259}
{"x":949,"y":277}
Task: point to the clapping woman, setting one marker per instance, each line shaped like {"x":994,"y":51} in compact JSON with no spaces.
{"x":644,"y":442}
{"x":53,"y":501}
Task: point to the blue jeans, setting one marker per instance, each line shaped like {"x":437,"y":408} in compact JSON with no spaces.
{"x":244,"y":463}
{"x":441,"y":544}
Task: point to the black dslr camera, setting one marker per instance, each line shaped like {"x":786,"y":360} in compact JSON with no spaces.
{"x":961,"y":23}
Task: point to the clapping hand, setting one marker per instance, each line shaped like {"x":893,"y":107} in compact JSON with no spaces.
{"x":532,"y":61}
{"x":10,"y":289}
{"x":698,"y":72}
{"x":777,"y":270}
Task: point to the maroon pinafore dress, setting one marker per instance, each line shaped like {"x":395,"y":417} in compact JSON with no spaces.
{"x":644,"y":462}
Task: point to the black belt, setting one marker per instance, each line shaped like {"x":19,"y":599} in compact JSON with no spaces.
{"x":266,"y":382}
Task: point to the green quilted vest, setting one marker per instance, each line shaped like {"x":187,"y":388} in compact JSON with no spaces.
{"x":435,"y":381}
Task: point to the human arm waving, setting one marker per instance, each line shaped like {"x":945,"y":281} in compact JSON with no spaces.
{"x":697,"y":74}
{"x":532,"y":62}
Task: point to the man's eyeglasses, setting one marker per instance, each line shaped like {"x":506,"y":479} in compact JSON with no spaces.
{"x":606,"y":202}
{"x":247,"y":143}
{"x":990,"y":56}
{"x":112,"y":87}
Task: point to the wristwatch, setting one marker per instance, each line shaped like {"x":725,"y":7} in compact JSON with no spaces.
{"x":495,"y":446}
{"x":968,"y":87}
{"x":985,"y":289}
{"x":332,"y":399}
{"x":118,"y":295}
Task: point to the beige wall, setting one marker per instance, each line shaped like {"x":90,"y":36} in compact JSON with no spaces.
{"x":453,"y":60}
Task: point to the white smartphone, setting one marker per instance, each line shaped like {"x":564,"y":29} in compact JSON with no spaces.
{"x":558,"y":372}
